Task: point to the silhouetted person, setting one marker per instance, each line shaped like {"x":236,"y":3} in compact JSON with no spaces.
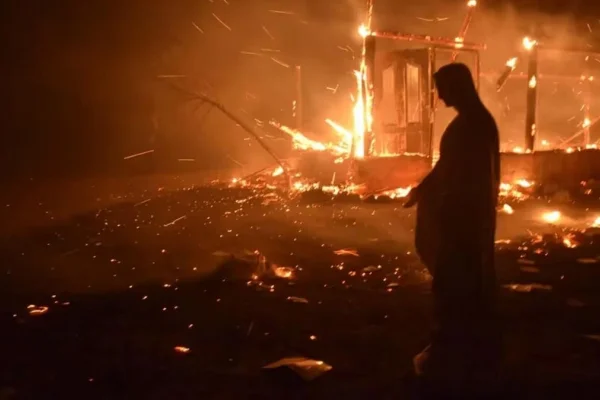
{"x":456,"y":223}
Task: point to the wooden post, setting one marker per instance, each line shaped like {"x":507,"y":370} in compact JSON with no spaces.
{"x":532,"y":100}
{"x":426,"y":39}
{"x":298,"y":106}
{"x":431,"y":99}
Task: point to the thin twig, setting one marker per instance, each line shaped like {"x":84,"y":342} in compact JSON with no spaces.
{"x":241,"y":123}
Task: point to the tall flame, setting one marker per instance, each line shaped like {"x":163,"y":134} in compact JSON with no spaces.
{"x":360,"y":125}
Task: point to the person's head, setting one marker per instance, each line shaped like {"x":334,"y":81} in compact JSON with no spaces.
{"x":455,"y":86}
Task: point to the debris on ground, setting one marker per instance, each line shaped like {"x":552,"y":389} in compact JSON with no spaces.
{"x":346,"y":252}
{"x":36,"y":310}
{"x":308,"y":369}
{"x":527,"y":288}
{"x":295,"y":299}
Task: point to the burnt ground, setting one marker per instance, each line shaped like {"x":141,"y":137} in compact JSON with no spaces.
{"x":126,"y":280}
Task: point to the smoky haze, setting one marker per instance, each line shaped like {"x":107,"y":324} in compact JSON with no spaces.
{"x":81,"y":89}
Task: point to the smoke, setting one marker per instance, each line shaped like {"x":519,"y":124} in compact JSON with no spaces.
{"x":93,"y":68}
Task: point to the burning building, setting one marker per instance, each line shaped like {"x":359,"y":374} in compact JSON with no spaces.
{"x":398,"y":123}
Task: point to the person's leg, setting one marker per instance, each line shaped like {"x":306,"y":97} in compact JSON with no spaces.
{"x":464,"y":346}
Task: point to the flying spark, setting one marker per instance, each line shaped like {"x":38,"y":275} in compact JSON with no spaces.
{"x":251,"y":53}
{"x":280,"y":62}
{"x":175,"y":221}
{"x":282,"y":12}
{"x":197,"y":27}
{"x":138,"y":154}
{"x":264,"y":28}
{"x":222,"y":23}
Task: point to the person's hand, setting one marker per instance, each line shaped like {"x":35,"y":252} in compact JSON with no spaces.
{"x":411,"y":199}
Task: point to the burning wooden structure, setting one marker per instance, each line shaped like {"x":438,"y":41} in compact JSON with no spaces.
{"x":404,"y":116}
{"x":395,"y":115}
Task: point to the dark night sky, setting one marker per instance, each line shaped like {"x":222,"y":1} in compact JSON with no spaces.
{"x":78,"y":77}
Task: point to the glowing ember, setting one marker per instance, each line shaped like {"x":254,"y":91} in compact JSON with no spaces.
{"x":512,"y":63}
{"x":459,"y":42}
{"x":532,"y":82}
{"x":596,"y":223}
{"x":586,"y":123}
{"x":518,"y":150}
{"x":182,"y":349}
{"x":37,"y":310}
{"x":283,"y":272}
{"x":398,"y":193}
{"x":513,"y":191}
{"x":507,"y":209}
{"x":278,"y":171}
{"x":472,"y":3}
{"x":364,"y":31}
{"x":528,"y":43}
{"x":524,"y":183}
{"x":569,"y":241}
{"x":346,"y":252}
{"x":551,"y":217}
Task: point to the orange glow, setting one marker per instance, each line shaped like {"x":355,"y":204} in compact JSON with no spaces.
{"x":182,"y":349}
{"x":586,"y":122}
{"x":472,"y":3}
{"x":345,"y":135}
{"x":283,"y":272}
{"x":398,"y":193}
{"x":278,"y":171}
{"x":459,"y":42}
{"x":524,"y":183}
{"x":364,"y":31}
{"x":529,"y":43}
{"x":512,"y":63}
{"x":507,"y":209}
{"x":551,"y":217}
{"x":37,"y":310}
{"x":360,"y":125}
{"x":301,"y":142}
{"x":569,"y":241}
{"x":532,"y":82}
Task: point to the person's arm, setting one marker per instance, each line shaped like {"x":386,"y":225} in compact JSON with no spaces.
{"x":425,"y":186}
{"x":438,"y":172}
